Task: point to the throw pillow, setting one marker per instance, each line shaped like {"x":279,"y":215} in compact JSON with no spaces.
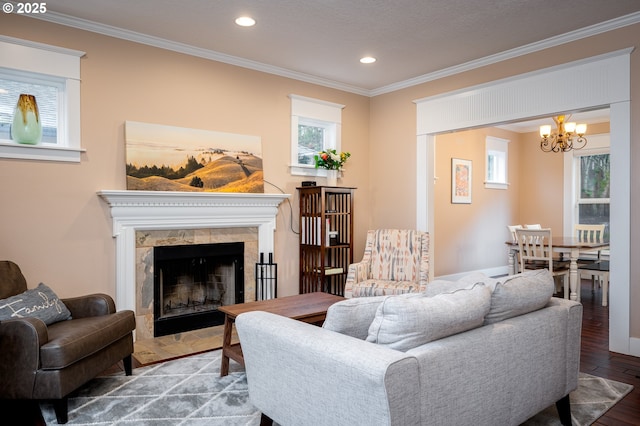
{"x":441,"y":286}
{"x":405,"y":323}
{"x":478,"y":277}
{"x":354,"y":316}
{"x":520,"y":294}
{"x":40,"y":302}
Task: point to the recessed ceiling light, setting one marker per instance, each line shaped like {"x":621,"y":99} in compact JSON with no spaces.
{"x":245,"y":21}
{"x":368,"y":60}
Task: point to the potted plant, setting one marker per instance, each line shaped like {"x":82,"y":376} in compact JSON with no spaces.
{"x":332,"y":161}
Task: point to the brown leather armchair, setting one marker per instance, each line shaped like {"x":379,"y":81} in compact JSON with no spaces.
{"x":49,"y":362}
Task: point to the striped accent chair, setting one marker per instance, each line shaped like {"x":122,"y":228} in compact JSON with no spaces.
{"x":395,"y":261}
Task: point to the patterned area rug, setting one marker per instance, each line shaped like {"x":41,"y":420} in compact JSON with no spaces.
{"x":189,"y":391}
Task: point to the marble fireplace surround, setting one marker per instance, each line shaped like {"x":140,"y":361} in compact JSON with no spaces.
{"x":134,"y":211}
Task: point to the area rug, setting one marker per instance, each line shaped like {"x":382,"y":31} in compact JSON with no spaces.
{"x":189,"y":391}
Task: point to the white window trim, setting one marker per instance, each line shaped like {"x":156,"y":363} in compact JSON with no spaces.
{"x":496,"y":144}
{"x":596,"y":144}
{"x":315,"y":109}
{"x":27,"y":56}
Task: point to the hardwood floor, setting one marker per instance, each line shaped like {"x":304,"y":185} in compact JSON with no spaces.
{"x":595,"y":359}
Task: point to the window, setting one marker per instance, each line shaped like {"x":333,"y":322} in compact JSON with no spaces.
{"x":315,"y":126}
{"x":52,"y":75}
{"x":497,"y":159}
{"x":46,"y":93}
{"x":593,"y":189}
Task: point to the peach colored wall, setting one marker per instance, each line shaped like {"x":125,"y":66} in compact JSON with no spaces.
{"x":469,"y":237}
{"x":542,"y":176}
{"x":542,"y":185}
{"x":58,"y":230}
{"x":53,"y":223}
{"x":393,"y":116}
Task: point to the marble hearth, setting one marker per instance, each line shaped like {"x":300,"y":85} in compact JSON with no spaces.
{"x":142,"y":219}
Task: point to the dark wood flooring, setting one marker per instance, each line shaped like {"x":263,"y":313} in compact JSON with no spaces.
{"x":595,"y":359}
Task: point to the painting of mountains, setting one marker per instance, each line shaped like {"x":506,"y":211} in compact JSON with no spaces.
{"x":168,"y":158}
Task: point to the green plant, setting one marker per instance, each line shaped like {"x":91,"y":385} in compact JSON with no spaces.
{"x":331,"y":160}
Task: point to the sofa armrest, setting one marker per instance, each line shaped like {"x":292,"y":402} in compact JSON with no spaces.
{"x":531,"y":361}
{"x":302,"y":374}
{"x":20,"y":341}
{"x":91,"y":305}
{"x":574,"y":333}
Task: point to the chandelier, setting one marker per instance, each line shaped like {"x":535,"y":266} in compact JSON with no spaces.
{"x":566,"y":137}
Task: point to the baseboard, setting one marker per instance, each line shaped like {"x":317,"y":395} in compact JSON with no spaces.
{"x":634,"y":346}
{"x":490,"y":272}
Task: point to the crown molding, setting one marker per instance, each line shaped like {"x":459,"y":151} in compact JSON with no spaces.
{"x":149,"y":40}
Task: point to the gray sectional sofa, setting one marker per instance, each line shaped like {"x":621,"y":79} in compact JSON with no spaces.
{"x":476,"y":352}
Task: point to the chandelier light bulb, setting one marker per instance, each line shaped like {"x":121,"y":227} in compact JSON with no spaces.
{"x":581,"y":129}
{"x":545,"y":131}
{"x":570,"y":127}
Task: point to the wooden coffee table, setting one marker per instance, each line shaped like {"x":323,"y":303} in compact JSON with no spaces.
{"x":308,"y":307}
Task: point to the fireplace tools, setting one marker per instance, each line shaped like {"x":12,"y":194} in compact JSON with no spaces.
{"x":266,"y":279}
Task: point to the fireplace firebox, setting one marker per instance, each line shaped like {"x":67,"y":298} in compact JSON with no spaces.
{"x":192,"y":281}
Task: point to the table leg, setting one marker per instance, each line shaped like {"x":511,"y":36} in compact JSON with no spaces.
{"x":226,"y":343}
{"x":574,"y":281}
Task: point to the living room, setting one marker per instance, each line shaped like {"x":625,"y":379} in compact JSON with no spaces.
{"x":60,"y":232}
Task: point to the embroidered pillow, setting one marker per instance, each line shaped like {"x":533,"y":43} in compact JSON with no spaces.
{"x":40,"y":302}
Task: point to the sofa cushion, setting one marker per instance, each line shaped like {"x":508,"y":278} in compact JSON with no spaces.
{"x":71,"y":341}
{"x":40,"y":302}
{"x":405,"y":323}
{"x":354,"y":316}
{"x":519,"y":294}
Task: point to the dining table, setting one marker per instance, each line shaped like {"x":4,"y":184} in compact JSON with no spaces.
{"x":570,"y":246}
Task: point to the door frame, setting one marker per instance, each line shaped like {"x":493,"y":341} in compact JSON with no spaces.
{"x":537,"y":94}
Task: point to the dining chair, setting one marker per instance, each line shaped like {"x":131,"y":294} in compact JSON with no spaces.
{"x":514,"y":239}
{"x":533,"y":226}
{"x":512,"y":230}
{"x":589,"y":234}
{"x":536,"y":252}
{"x":600,"y":269}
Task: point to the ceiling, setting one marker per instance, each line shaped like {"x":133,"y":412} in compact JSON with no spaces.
{"x":321,"y":41}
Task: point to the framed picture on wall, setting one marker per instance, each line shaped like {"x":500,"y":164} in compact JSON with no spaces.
{"x":460,"y":181}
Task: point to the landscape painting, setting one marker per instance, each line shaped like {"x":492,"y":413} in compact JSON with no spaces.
{"x":167,"y":158}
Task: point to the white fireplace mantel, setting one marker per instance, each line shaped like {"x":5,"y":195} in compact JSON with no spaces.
{"x":163,"y":210}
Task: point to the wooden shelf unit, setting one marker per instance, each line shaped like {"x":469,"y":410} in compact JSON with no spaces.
{"x":326,"y":238}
